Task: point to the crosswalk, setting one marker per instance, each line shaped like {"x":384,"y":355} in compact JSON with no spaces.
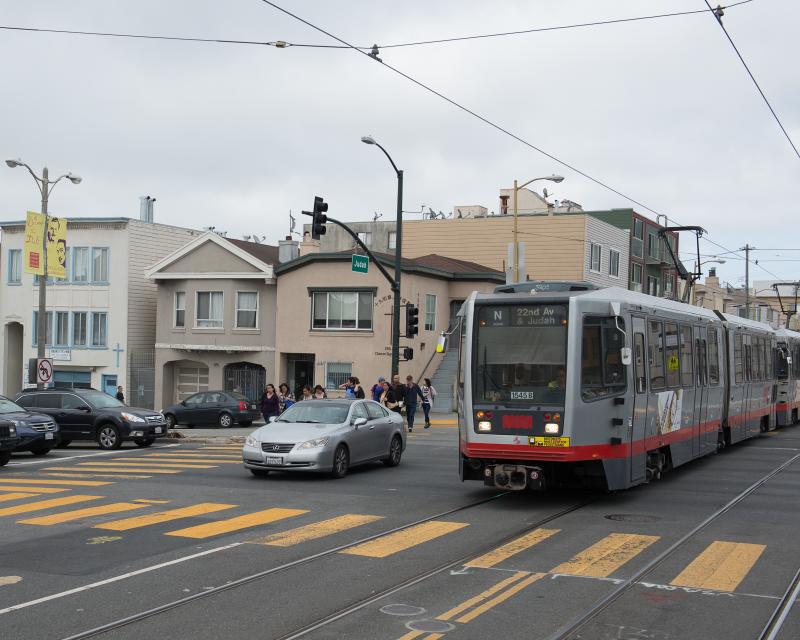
{"x":34,"y":502}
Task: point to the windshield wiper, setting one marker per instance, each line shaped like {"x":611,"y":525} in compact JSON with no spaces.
{"x":307,"y":421}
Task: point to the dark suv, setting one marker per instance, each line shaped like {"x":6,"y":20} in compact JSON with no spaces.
{"x":8,"y":440}
{"x":84,"y":414}
{"x":38,"y":432}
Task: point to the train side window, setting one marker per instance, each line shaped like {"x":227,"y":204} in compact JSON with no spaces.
{"x":748,"y":362}
{"x":756,"y":348}
{"x":672,"y":353}
{"x":687,"y":370}
{"x":655,"y":354}
{"x":713,"y":357}
{"x":738,"y":357}
{"x":638,"y":359}
{"x":602,"y":371}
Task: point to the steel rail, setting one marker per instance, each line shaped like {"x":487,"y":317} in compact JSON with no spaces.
{"x":775,"y":623}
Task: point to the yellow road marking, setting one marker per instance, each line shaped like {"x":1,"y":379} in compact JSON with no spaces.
{"x":501,"y":598}
{"x":169,"y":462}
{"x":33,"y":489}
{"x":164,"y":516}
{"x":496,"y":556}
{"x":411,"y":635}
{"x":606,"y":556}
{"x":235,"y":524}
{"x":46,"y":504}
{"x":108,"y":470}
{"x":8,"y":497}
{"x":468,"y":604}
{"x":237,"y":447}
{"x":77,"y":514}
{"x":317,"y":530}
{"x":92,"y":475}
{"x":144,"y":463}
{"x":192,"y":456}
{"x":405,"y":539}
{"x":722,"y":566}
{"x":146,"y":501}
{"x":81,"y":483}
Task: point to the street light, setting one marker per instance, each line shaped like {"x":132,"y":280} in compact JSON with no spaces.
{"x":397,"y":258}
{"x":552,"y":178}
{"x":45,"y":186}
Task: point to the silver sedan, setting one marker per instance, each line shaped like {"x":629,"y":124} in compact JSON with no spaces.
{"x":326,"y":435}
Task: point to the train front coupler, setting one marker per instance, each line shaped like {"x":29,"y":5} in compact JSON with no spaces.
{"x":513,"y":477}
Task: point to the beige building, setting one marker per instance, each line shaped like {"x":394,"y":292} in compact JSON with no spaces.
{"x":764,"y":303}
{"x":333,"y":323}
{"x":216,"y":318}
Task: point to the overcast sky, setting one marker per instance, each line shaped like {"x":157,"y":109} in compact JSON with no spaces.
{"x":235,"y":136}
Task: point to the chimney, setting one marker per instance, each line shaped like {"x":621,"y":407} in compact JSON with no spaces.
{"x":288,"y":249}
{"x":146,"y":208}
{"x":712,"y":280}
{"x":308,"y":245}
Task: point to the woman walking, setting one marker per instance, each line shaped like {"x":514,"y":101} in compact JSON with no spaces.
{"x":428,"y":394}
{"x":286,"y":396}
{"x":270,"y":403}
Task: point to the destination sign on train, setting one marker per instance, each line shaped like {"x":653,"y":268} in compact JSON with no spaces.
{"x":539,"y":315}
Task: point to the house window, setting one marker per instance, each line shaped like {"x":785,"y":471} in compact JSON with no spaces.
{"x":14,"y":266}
{"x":48,"y":331}
{"x":180,"y":309}
{"x":652,"y":285}
{"x":613,"y":263}
{"x":337,"y":373}
{"x":246,"y":309}
{"x":61,"y":337}
{"x":638,"y":229}
{"x":100,"y":265}
{"x":637,"y":242}
{"x":79,"y":329}
{"x":595,"y":264}
{"x":668,"y":284}
{"x":80,"y":264}
{"x":430,"y":312}
{"x":99,"y":329}
{"x":342,"y":310}
{"x":208,"y":310}
{"x":365,"y":237}
{"x":652,"y":245}
{"x":636,"y":277}
{"x":392,"y":239}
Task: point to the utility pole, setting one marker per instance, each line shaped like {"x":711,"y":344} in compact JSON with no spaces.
{"x":747,"y":249}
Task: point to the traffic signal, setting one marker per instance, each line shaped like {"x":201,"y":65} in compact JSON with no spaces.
{"x":319,"y":218}
{"x":408,"y":353}
{"x":412,"y":320}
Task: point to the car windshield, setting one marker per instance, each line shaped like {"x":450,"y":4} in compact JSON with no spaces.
{"x":6,"y":406}
{"x":101,"y":400}
{"x":306,"y":411}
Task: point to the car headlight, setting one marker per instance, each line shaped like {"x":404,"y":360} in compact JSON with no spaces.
{"x":132,"y":418}
{"x":12,"y":430}
{"x":313,"y":444}
{"x":250,"y":441}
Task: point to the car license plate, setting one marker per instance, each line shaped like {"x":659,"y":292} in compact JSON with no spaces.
{"x":48,"y":436}
{"x":253,"y":407}
{"x":548,"y":441}
{"x":274,"y":460}
{"x":158,"y":429}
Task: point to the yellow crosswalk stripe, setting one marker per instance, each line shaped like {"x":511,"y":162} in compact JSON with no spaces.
{"x":136,"y":522}
{"x":496,"y":556}
{"x":233,"y":447}
{"x":722,"y":566}
{"x":144,"y":463}
{"x":192,"y":456}
{"x":93,"y":475}
{"x":33,"y":489}
{"x":236,"y":524}
{"x":88,"y":512}
{"x":502,"y":597}
{"x":46,"y":504}
{"x":606,"y":556}
{"x":8,"y":497}
{"x":169,"y":462}
{"x":108,"y":470}
{"x":405,"y":539}
{"x":317,"y":530}
{"x":71,"y":483}
{"x":468,"y":604}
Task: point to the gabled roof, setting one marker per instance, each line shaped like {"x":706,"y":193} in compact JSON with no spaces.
{"x":257,"y":255}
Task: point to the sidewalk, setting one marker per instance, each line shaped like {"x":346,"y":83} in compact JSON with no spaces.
{"x":236,"y":435}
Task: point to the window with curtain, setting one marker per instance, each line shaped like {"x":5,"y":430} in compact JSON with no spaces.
{"x":246,"y":309}
{"x":595,"y":260}
{"x":180,"y":309}
{"x":99,"y":265}
{"x":208,"y":312}
{"x":14,"y":266}
{"x":61,"y":336}
{"x":48,"y":332}
{"x":347,"y":310}
{"x":392,"y":239}
{"x":99,"y":329}
{"x":79,"y":329}
{"x":80,"y":264}
{"x":430,"y":312}
{"x":613,"y":263}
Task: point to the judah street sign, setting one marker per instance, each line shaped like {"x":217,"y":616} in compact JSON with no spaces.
{"x":360,"y":263}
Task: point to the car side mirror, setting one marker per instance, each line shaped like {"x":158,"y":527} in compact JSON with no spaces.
{"x":273,"y":418}
{"x":359,"y":422}
{"x":625,"y":356}
{"x":183,"y":403}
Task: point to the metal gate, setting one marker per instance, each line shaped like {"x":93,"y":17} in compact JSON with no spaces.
{"x":141,"y":379}
{"x":246,"y":378}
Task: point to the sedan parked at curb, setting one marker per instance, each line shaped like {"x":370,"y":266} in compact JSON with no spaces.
{"x":326,"y":435}
{"x":38,"y":432}
{"x":221,"y":408}
{"x":8,"y":440}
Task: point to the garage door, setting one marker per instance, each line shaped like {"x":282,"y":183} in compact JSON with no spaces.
{"x":190,"y":380}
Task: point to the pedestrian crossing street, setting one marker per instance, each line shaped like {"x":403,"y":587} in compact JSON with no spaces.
{"x":721,"y":566}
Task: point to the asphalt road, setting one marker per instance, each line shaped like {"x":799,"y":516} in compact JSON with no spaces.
{"x":183,"y":533}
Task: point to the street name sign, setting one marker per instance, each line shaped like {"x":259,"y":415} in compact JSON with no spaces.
{"x":360,"y":263}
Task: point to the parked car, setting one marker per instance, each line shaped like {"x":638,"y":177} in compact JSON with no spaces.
{"x":8,"y":440}
{"x":326,"y":435}
{"x":222,"y":408}
{"x":86,"y":414}
{"x":38,"y":432}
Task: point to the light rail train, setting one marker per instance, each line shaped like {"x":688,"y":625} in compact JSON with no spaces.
{"x":565,"y":383}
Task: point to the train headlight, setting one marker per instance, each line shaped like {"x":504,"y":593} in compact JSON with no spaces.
{"x":484,"y":425}
{"x":551,"y":427}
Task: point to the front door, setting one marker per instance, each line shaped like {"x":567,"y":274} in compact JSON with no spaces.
{"x":75,"y":418}
{"x":191,"y":413}
{"x":303,"y":375}
{"x":362,"y":438}
{"x":110,"y":385}
{"x":639,"y":420}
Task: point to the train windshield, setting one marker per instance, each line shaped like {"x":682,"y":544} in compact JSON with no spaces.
{"x":521,"y":353}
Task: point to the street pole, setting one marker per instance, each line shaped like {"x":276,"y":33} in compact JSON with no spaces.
{"x":746,"y":250}
{"x":397,"y":270}
{"x":515,"y":248}
{"x":41,"y":324}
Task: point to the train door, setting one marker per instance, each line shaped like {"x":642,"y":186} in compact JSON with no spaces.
{"x":701,"y":379}
{"x":737,"y":404}
{"x":639,"y":420}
